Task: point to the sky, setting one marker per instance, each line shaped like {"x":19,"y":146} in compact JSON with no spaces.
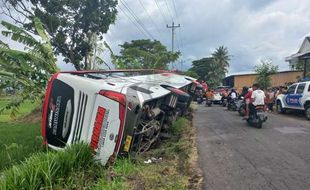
{"x":251,"y":30}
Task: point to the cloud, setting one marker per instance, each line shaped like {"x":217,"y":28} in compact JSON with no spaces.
{"x":252,"y":30}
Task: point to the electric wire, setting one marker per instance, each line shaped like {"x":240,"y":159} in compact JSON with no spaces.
{"x":161,"y":12}
{"x":136,"y":19}
{"x":169,"y":10}
{"x":137,"y":26}
{"x":151,"y":19}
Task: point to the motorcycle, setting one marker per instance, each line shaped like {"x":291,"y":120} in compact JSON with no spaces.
{"x":241,"y":106}
{"x":208,"y":102}
{"x":232,"y":105}
{"x":224,"y":102}
{"x":199,"y":99}
{"x":258,"y":117}
{"x":242,"y":109}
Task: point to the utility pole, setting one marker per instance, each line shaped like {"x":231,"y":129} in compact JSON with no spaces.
{"x":173,"y":27}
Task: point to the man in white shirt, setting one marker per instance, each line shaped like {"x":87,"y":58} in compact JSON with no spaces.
{"x":233,"y":94}
{"x":258,"y":97}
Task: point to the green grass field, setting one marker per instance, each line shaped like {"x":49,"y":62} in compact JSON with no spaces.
{"x":69,"y":170}
{"x":21,"y":147}
{"x":18,"y":141}
{"x":24,"y":109}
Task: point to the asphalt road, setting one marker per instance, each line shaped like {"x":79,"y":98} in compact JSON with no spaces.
{"x":233,"y":155}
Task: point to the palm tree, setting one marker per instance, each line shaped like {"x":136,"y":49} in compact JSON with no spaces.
{"x":221,"y":57}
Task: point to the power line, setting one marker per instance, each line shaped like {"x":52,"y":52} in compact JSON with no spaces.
{"x":174,"y":7}
{"x":168,"y":9}
{"x":147,"y":12}
{"x":137,"y":26}
{"x":162,"y":14}
{"x":136,"y":19}
{"x":173,"y":27}
{"x":179,"y":37}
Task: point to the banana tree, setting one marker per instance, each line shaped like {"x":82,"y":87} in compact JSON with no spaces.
{"x":26,"y":71}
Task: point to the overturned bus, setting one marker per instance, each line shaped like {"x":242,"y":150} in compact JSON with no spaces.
{"x":116,"y":112}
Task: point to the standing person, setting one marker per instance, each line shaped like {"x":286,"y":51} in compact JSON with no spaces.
{"x":205,"y":85}
{"x":279,"y":91}
{"x":270,"y":99}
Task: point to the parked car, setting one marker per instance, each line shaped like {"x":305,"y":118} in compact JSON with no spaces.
{"x":115,"y":113}
{"x":218,"y":91}
{"x":297,"y":97}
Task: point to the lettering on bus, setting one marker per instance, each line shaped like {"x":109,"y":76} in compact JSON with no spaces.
{"x":97,"y":128}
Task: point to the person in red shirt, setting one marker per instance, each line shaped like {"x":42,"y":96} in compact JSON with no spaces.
{"x":205,"y":85}
{"x":248,"y":100}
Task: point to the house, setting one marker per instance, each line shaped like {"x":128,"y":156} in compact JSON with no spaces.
{"x":301,"y":58}
{"x":279,"y":79}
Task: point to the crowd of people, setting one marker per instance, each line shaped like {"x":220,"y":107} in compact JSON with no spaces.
{"x":253,"y":96}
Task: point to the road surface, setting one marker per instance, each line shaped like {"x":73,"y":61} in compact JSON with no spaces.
{"x":233,"y":155}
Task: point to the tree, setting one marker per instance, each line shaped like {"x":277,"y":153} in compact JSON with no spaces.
{"x":303,"y":64}
{"x":206,"y":70}
{"x":144,"y":54}
{"x":29,"y":70}
{"x":264,"y":71}
{"x":212,"y":69}
{"x":72,"y":25}
{"x":221,"y":58}
{"x":191,"y":74}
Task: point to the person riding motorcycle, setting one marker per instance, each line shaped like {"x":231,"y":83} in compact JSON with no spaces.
{"x":257,"y":98}
{"x":199,"y":94}
{"x":224,"y":98}
{"x":241,"y":104}
{"x":232,"y":95}
{"x":209,"y":95}
{"x":247,"y":99}
{"x":245,"y":90}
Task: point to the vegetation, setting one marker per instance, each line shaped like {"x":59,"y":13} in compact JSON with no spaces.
{"x":25,"y":108}
{"x":221,"y":59}
{"x":144,"y":54}
{"x":76,"y":168}
{"x":73,"y":26}
{"x":18,"y":141}
{"x":26,"y":71}
{"x":301,"y":66}
{"x":264,"y":71}
{"x":212,"y":69}
{"x":48,"y":170}
{"x":191,"y":74}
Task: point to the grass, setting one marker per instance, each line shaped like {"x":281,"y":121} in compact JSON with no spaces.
{"x":24,"y":109}
{"x":174,"y":171}
{"x":49,"y":170}
{"x":28,"y":167}
{"x":17,"y":141}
